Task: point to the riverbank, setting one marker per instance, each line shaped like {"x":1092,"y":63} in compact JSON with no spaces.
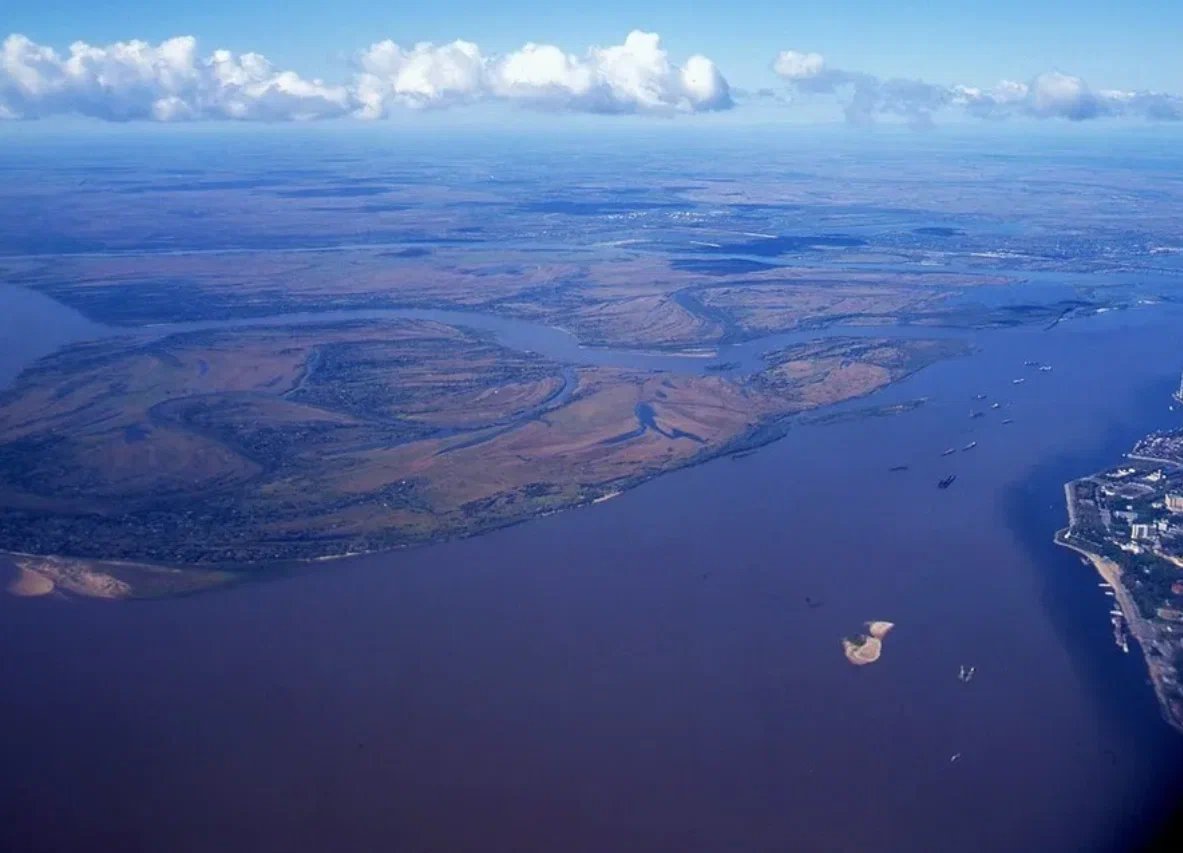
{"x":1162,"y":674}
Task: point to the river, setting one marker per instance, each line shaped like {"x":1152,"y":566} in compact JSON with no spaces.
{"x":646,"y":673}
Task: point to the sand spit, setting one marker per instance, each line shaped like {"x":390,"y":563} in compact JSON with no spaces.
{"x":30,"y":584}
{"x":77,"y":576}
{"x":866,"y":648}
{"x":108,"y":579}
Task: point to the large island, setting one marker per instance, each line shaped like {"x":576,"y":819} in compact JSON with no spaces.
{"x":155,"y":463}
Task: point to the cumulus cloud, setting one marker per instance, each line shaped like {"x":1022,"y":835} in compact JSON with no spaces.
{"x":170,"y":81}
{"x":636,"y":76}
{"x":1049,"y":95}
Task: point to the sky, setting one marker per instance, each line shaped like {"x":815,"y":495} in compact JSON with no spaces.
{"x":953,"y":46}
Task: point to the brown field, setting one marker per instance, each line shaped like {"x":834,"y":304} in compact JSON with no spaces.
{"x":768,"y":308}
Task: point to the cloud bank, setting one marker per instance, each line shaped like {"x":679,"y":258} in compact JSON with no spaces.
{"x":635,"y":76}
{"x":164,"y":82}
{"x":1049,"y":95}
{"x":171,"y":81}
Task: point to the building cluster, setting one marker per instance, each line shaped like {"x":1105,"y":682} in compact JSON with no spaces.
{"x":1148,"y":506}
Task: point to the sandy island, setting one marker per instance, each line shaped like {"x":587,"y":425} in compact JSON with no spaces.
{"x":866,"y":648}
{"x":30,"y":584}
{"x":41,"y":575}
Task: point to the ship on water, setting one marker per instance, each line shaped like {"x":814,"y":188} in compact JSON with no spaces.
{"x":947,"y":482}
{"x":1120,"y":636}
{"x":970,"y":446}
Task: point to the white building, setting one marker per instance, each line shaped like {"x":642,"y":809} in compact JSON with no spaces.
{"x":1141,"y":531}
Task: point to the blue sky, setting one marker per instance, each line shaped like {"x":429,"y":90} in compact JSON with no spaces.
{"x":906,"y":62}
{"x":1132,"y":45}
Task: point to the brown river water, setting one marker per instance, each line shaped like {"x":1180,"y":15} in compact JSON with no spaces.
{"x":662,"y":671}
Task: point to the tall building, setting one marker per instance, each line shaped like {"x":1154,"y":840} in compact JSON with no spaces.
{"x":1174,"y":502}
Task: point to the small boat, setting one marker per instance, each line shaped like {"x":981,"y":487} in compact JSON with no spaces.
{"x":898,"y":468}
{"x":947,"y":482}
{"x":1046,"y":368}
{"x":1109,"y":593}
{"x":949,"y":452}
{"x":996,"y":405}
{"x":1009,"y":421}
{"x":970,"y":446}
{"x":979,"y":396}
{"x":1018,"y":381}
{"x":955,"y":757}
{"x":1030,"y":363}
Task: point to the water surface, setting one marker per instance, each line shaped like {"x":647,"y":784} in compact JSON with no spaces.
{"x":646,"y":673}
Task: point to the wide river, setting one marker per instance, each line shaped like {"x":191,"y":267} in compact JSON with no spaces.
{"x":662,"y":671}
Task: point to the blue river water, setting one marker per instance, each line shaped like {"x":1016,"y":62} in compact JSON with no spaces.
{"x":659,"y":671}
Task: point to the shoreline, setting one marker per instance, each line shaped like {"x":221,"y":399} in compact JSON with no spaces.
{"x":1139,"y":628}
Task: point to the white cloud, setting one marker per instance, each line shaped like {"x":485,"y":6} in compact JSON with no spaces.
{"x":1049,"y":95}
{"x":635,"y":76}
{"x":168,"y":81}
{"x":171,"y":82}
{"x":424,"y":75}
{"x":1056,"y":95}
{"x":795,"y":65}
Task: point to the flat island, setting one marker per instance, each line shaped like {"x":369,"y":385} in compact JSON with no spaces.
{"x":1128,"y":523}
